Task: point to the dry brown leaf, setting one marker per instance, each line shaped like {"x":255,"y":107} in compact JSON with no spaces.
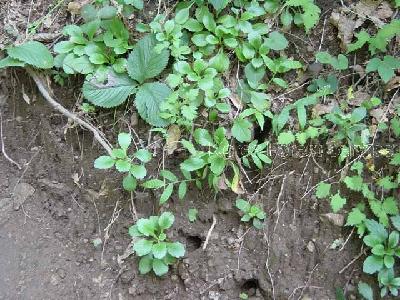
{"x":394,"y":83}
{"x":174,"y":135}
{"x":322,"y":109}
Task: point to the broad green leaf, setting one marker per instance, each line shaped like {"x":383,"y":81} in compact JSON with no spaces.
{"x":362,"y":38}
{"x":145,"y":264}
{"x":355,"y":217}
{"x":396,"y":222}
{"x":138,"y":171}
{"x":286,"y":138}
{"x":33,"y":53}
{"x":376,"y":229}
{"x":176,"y":249}
{"x":395,"y":161}
{"x":166,"y":220}
{"x":243,"y":205}
{"x":149,"y":99}
{"x":276,"y":41}
{"x":159,"y":250}
{"x":166,"y":193}
{"x":217,"y":164}
{"x":124,"y":140}
{"x":159,"y":267}
{"x":146,"y":227}
{"x":143,"y":155}
{"x":129,"y":183}
{"x":112,"y":93}
{"x":153,"y":184}
{"x":337,"y":202}
{"x":144,"y":62}
{"x":167,"y":174}
{"x":241,"y":129}
{"x":354,"y":183}
{"x":182,"y":189}
{"x":104,"y":162}
{"x":182,"y":16}
{"x":143,"y":247}
{"x":365,"y":290}
{"x":323,"y":190}
{"x":122,"y":165}
{"x":192,"y":164}
{"x":372,"y":264}
{"x":219,"y":4}
{"x":10,"y":62}
{"x":203,"y":137}
{"x":220,"y":62}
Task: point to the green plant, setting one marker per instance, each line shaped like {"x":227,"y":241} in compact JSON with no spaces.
{"x":251,"y":213}
{"x":378,"y":41}
{"x":125,"y":163}
{"x":243,"y":296}
{"x":152,"y":245}
{"x":143,"y":63}
{"x":384,"y":247}
{"x":257,"y":153}
{"x":31,"y":53}
{"x":339,"y":63}
{"x":300,"y":12}
{"x":192,"y":214}
{"x":170,"y":180}
{"x":385,"y":67}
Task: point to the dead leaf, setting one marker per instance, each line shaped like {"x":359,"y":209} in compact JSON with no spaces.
{"x":74,"y":7}
{"x":394,"y":83}
{"x":379,"y":115}
{"x":322,"y":109}
{"x":174,"y":135}
{"x":345,"y":25}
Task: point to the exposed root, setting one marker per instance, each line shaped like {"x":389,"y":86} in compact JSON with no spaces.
{"x":209,"y":232}
{"x":45,"y":93}
{"x":3,"y":150}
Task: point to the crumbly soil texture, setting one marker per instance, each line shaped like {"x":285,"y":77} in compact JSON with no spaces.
{"x":64,"y":225}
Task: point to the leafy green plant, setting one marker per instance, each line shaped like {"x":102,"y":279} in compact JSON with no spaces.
{"x":377,"y":42}
{"x":31,"y":53}
{"x":125,"y":163}
{"x":384,"y":67}
{"x":251,"y":213}
{"x":152,"y":245}
{"x":143,"y":63}
{"x":384,"y":247}
{"x":257,"y":153}
{"x":93,"y":46}
{"x":170,"y":180}
{"x":192,"y":214}
{"x":338,"y":63}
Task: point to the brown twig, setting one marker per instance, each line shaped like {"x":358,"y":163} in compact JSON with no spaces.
{"x":45,"y":93}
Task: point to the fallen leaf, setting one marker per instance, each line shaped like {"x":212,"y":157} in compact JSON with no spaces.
{"x":173,"y":137}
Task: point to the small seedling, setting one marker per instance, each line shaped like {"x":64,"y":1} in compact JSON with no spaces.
{"x":193,"y":214}
{"x":251,"y":212}
{"x":152,"y":245}
{"x":124,"y":163}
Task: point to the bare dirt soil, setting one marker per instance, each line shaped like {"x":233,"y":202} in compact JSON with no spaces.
{"x":57,"y":204}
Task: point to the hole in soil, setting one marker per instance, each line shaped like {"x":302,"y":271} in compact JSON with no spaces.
{"x":261,"y":134}
{"x":250,"y":287}
{"x":193,"y":242}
